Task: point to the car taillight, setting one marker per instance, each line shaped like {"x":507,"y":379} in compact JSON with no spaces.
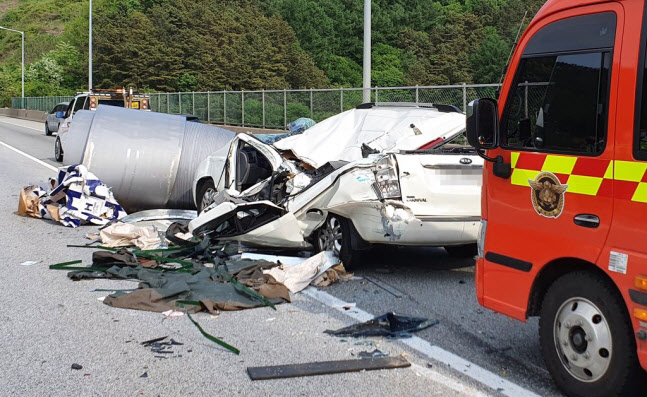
{"x":386,"y":177}
{"x":93,"y":103}
{"x":144,"y":103}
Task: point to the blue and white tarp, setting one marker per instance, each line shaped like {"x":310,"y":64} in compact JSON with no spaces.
{"x":79,"y":198}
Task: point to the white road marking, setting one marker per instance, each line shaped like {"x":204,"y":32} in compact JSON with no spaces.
{"x":458,"y":363}
{"x":23,"y":126}
{"x":51,"y":167}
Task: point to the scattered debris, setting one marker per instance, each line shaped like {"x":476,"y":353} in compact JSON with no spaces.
{"x":461,"y":281}
{"x":213,"y":338}
{"x":373,"y":354}
{"x":77,"y":366}
{"x":172,"y":314}
{"x":78,"y":198}
{"x":298,"y":277}
{"x":126,"y":234}
{"x":155,"y":340}
{"x":144,"y":375}
{"x":326,"y":367}
{"x":389,"y":325}
{"x":30,"y":263}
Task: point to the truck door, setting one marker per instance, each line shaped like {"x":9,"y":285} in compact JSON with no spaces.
{"x":556,"y":131}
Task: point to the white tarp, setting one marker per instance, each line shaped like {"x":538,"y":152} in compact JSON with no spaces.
{"x":382,"y":128}
{"x":298,"y":276}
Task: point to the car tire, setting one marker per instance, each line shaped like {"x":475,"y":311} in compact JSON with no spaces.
{"x":207,"y":189}
{"x":462,"y":251}
{"x":335,"y":235}
{"x":48,"y":132}
{"x":587,"y":339}
{"x":58,"y":150}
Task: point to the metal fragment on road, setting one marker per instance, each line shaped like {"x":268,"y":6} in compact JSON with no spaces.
{"x":326,"y":367}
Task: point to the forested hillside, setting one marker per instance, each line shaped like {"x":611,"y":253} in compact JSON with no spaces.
{"x":170,"y":45}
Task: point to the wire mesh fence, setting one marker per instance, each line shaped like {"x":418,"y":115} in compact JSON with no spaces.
{"x":277,"y":108}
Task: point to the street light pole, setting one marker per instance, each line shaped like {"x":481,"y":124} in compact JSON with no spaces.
{"x":367,"y":51}
{"x":90,"y":51}
{"x":22,"y":34}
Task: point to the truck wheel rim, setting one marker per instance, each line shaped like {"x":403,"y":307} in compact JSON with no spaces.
{"x":583,"y":339}
{"x":330,"y":236}
{"x":207,"y":198}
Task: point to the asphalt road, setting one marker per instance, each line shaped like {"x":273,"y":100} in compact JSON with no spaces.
{"x":49,"y":323}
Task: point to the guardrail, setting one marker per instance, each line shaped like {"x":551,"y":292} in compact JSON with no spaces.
{"x":276,"y":108}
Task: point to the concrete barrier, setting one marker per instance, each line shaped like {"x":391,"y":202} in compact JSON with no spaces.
{"x":33,"y":115}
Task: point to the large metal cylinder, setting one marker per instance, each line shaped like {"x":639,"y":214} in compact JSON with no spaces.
{"x":148,"y":159}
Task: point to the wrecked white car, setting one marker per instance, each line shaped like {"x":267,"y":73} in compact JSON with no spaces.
{"x":382,"y":189}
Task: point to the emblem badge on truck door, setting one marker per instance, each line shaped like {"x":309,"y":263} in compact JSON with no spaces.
{"x":547,"y":194}
{"x":466,"y":160}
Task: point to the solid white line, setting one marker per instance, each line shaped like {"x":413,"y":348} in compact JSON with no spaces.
{"x":437,"y":353}
{"x":23,"y":126}
{"x":51,"y":167}
{"x":446,"y":381}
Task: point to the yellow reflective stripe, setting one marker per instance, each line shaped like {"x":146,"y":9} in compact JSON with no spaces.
{"x":629,"y":171}
{"x":641,"y":193}
{"x":514,"y":157}
{"x":583,"y":184}
{"x":609,"y":173}
{"x":521,"y":177}
{"x":559,"y":164}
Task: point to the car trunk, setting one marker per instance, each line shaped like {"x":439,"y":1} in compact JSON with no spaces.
{"x":441,"y":185}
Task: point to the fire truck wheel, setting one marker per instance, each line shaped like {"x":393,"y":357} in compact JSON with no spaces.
{"x":587,"y":339}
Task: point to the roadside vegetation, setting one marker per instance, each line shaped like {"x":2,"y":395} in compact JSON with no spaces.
{"x":198,"y":45}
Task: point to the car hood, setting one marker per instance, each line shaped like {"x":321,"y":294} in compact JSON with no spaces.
{"x":382,"y":129}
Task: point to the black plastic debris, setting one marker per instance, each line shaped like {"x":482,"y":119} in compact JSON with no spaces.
{"x":77,"y":366}
{"x":389,"y":325}
{"x":144,"y":375}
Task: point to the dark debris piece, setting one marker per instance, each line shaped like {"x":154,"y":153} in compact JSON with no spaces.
{"x":144,"y":375}
{"x":151,"y":341}
{"x":374,"y":353}
{"x":77,"y":366}
{"x":389,"y":325}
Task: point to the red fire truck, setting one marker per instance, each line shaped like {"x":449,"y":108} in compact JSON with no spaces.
{"x":564,"y":200}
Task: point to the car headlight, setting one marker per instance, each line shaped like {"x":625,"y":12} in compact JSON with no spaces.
{"x":386,"y":177}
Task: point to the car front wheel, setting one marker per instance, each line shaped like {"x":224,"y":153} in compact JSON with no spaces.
{"x":58,"y":150}
{"x":48,"y":132}
{"x":335,"y":235}
{"x":206,"y":195}
{"x":587,"y":339}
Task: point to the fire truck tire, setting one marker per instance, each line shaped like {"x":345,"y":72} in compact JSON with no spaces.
{"x":587,"y":338}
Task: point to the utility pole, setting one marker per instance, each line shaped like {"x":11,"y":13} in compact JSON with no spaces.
{"x":367,"y":51}
{"x":22,"y":34}
{"x":90,"y":51}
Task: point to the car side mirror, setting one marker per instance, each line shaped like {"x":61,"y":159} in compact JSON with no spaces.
{"x":60,"y":114}
{"x":482,"y":123}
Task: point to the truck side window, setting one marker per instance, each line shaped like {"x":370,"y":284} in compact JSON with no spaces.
{"x":559,"y":99}
{"x":559,"y":103}
{"x":640,"y":148}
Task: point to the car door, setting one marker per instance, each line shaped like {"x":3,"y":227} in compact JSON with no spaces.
{"x":238,"y":171}
{"x":557,"y":117}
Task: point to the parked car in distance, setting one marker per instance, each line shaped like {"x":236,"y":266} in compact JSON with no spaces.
{"x":55,"y":118}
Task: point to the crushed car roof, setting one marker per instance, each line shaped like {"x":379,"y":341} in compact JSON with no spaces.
{"x":383,"y":128}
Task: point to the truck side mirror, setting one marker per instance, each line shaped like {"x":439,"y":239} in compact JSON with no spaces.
{"x":60,"y":115}
{"x":482,"y":123}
